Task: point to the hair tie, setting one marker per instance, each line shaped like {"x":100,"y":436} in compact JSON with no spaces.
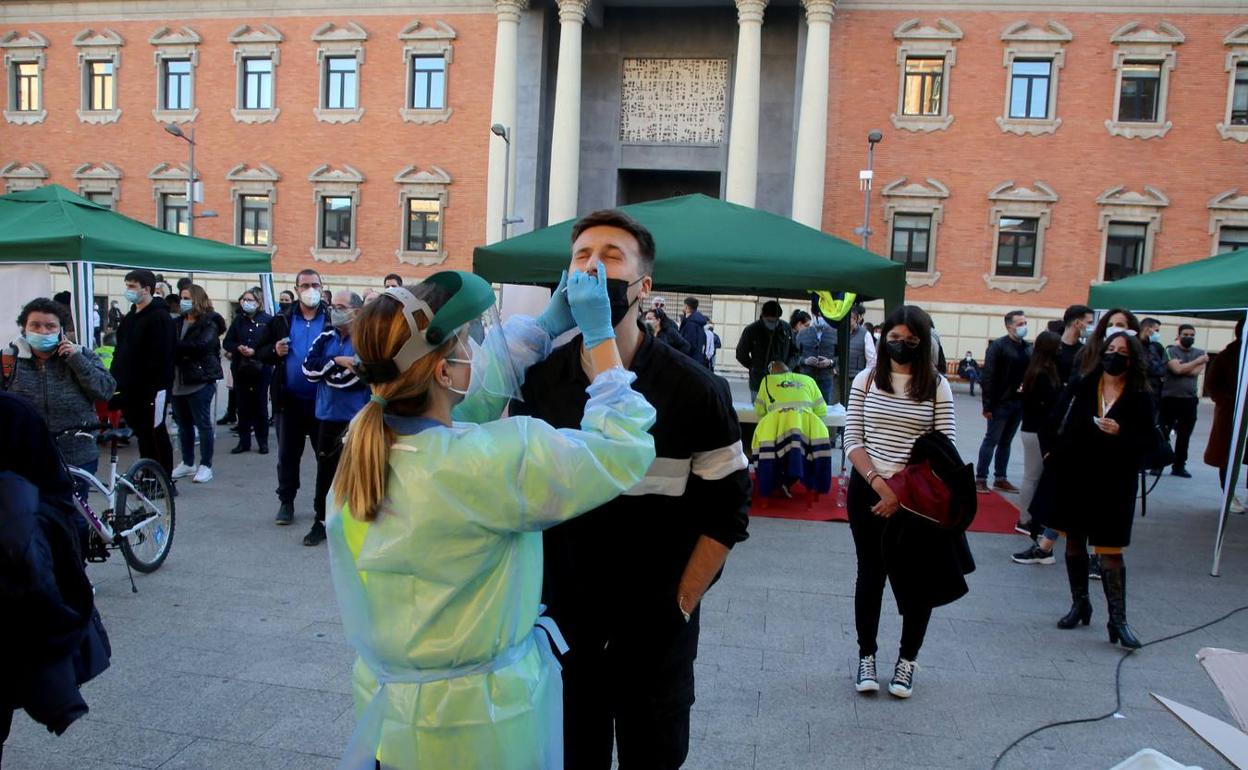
{"x":376,"y":399}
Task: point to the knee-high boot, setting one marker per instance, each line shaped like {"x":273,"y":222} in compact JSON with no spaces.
{"x":1115,"y":582}
{"x":1080,"y":607}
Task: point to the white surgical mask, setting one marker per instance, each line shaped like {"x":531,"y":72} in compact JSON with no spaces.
{"x":475,"y":363}
{"x":310,"y":298}
{"x":133,"y":295}
{"x":250,"y":307}
{"x":1021,"y":332}
{"x":1112,"y":330}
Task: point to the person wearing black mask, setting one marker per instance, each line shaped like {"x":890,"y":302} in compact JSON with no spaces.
{"x":664,"y":329}
{"x":632,"y":623}
{"x":767,"y":339}
{"x":285,"y":301}
{"x":1107,"y":415}
{"x":1179,"y":396}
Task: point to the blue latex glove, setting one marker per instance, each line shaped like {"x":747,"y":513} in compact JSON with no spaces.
{"x":591,"y":307}
{"x":557,"y":317}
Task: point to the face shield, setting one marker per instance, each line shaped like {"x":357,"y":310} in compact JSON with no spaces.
{"x":493,"y":367}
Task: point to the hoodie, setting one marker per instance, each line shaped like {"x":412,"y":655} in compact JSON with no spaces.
{"x":693,"y":330}
{"x":143,"y":361}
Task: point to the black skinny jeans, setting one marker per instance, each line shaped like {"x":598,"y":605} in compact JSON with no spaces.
{"x":868,"y":532}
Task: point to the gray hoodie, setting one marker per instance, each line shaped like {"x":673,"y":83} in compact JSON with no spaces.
{"x":63,"y":391}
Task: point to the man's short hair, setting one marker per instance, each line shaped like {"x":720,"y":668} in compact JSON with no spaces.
{"x":1055,"y":326}
{"x":144,"y":278}
{"x":354,"y":300}
{"x":183,"y":282}
{"x":618,"y":219}
{"x":393,"y":277}
{"x":1074,"y":313}
{"x":1151,"y":322}
{"x":1186,"y":328}
{"x":44,"y":305}
{"x":772,"y":309}
{"x":1010,"y":316}
{"x":691,"y":302}
{"x":307,"y":271}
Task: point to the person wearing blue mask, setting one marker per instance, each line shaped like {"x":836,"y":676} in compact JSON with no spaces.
{"x":1154,"y":358}
{"x":197,"y":354}
{"x":437,"y":513}
{"x":251,"y":330}
{"x":1004,"y":366}
{"x":60,"y":379}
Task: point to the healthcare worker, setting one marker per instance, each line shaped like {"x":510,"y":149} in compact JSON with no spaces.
{"x":435,"y":525}
{"x":791,"y":442}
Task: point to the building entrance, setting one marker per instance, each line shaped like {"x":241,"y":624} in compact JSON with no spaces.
{"x":639,"y":186}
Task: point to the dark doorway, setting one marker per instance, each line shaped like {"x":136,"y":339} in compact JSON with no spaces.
{"x":638,"y":186}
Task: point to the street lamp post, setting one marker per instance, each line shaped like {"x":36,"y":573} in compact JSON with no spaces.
{"x":173,"y":129}
{"x":502,"y":132}
{"x":865,"y":179}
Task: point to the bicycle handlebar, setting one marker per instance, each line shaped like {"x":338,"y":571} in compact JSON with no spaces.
{"x":82,"y":429}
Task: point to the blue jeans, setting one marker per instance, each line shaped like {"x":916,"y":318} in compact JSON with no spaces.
{"x":193,"y":413}
{"x":1006,"y":417}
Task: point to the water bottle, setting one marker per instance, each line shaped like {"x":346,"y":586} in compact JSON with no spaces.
{"x":842,"y":484}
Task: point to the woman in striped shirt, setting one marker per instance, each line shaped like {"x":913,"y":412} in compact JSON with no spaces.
{"x":890,"y":406}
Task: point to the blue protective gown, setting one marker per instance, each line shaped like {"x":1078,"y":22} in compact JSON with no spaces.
{"x":440,"y":593}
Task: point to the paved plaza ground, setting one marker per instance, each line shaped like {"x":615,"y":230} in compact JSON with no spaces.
{"x":232,"y":654}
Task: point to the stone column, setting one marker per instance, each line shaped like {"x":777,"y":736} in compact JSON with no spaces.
{"x":502,"y":110}
{"x":810,"y":161}
{"x":742,"y":185}
{"x":565,"y":139}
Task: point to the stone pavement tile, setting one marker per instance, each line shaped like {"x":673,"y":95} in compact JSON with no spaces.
{"x":208,"y":754}
{"x":819,"y":706}
{"x":325,"y":734}
{"x":730,"y":658}
{"x":917,"y":716}
{"x":721,"y":692}
{"x":790,"y":758}
{"x":698,"y":719}
{"x":20,"y":758}
{"x":762,"y":731}
{"x":786,"y":639}
{"x":785,"y":682}
{"x":1023,"y":758}
{"x":878,"y":748}
{"x":1037,"y":668}
{"x":822,"y":662}
{"x":719,"y":755}
{"x":92,"y":740}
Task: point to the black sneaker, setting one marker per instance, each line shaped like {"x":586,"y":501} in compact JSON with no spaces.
{"x":1094,"y":567}
{"x":264,"y":449}
{"x":1181,"y":472}
{"x":240,"y":449}
{"x":316,"y":535}
{"x":902,"y":685}
{"x":227,"y":420}
{"x":866,"y":681}
{"x":285,"y":514}
{"x":1034,"y":555}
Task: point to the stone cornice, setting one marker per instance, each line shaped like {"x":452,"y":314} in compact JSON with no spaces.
{"x":819,"y":10}
{"x":751,"y":11}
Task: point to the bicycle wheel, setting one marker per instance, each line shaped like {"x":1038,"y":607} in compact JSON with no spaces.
{"x":146,"y":549}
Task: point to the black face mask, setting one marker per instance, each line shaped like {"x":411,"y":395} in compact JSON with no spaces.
{"x":1187,"y":342}
{"x":901,"y":353}
{"x":1115,"y":364}
{"x":617,"y":292}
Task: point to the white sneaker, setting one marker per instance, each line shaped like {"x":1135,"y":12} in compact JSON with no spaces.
{"x":1237,"y":505}
{"x":203,"y":475}
{"x":182,"y":471}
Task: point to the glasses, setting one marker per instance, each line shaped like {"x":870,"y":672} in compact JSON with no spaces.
{"x":910,"y":342}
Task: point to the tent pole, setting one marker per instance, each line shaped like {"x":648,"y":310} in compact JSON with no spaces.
{"x":1233,"y":459}
{"x":82,"y":277}
{"x":842,"y":378}
{"x":266,"y":286}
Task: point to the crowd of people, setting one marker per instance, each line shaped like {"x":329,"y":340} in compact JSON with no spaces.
{"x":485,"y":491}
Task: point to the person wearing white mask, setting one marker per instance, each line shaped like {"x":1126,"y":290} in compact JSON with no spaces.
{"x":143,"y":366}
{"x":251,"y":330}
{"x":1004,"y":367}
{"x":294,"y":396}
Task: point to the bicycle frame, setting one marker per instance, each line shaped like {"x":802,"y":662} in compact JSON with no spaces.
{"x":109,"y":490}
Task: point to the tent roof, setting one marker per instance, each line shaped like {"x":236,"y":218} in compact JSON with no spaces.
{"x":51,"y":224}
{"x":1216,"y":287}
{"x":711,"y":246}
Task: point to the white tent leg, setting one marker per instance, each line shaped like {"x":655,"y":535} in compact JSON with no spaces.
{"x":266,"y":286}
{"x":1233,"y":459}
{"x":82,"y":274}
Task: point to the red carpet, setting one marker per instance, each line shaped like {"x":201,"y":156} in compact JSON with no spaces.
{"x":996,"y":514}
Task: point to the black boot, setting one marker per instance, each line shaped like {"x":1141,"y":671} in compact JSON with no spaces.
{"x":1080,"y":607}
{"x":1115,"y":581}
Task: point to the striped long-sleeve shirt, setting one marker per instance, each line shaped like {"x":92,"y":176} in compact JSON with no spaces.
{"x":886,"y":424}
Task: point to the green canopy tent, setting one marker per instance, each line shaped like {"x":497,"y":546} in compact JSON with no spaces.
{"x":1216,"y":287}
{"x":711,"y":246}
{"x":51,"y":225}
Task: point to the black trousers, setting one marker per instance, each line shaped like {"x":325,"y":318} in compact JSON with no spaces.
{"x":636,"y":699}
{"x":328,"y":453}
{"x":868,"y":532}
{"x":139,"y":409}
{"x":253,"y":411}
{"x":296,"y":424}
{"x":1179,"y":415}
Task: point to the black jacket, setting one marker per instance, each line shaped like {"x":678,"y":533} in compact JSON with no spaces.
{"x":143,"y":358}
{"x":693,"y":331}
{"x":1038,"y":401}
{"x":255,"y":332}
{"x":198,"y":354}
{"x":612,"y":575}
{"x":1004,"y":367}
{"x":670,"y":335}
{"x":758,"y":347}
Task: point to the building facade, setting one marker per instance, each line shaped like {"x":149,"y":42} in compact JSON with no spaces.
{"x":1029,"y":149}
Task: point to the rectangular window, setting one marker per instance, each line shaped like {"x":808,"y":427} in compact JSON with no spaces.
{"x":424,"y":225}
{"x":26,"y":87}
{"x":1029,"y":89}
{"x":174,"y":213}
{"x":1124,"y":250}
{"x":1232,"y":239}
{"x":428,"y":83}
{"x":911,"y":233}
{"x":1141,"y":84}
{"x":1016,"y":247}
{"x":341,"y":73}
{"x":101,"y":198}
{"x":1239,"y":99}
{"x":257,"y":84}
{"x":177,"y":83}
{"x":100,"y":85}
{"x":924,"y":81}
{"x":336,"y":222}
{"x":253,"y":220}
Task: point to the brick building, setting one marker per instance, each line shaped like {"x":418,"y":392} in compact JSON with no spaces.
{"x":1028,"y":148}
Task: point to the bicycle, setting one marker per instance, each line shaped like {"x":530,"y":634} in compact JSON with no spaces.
{"x":139,"y":518}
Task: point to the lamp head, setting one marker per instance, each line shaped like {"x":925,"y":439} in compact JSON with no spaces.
{"x":173,"y":129}
{"x":499,"y":130}
{"x":875,"y":135}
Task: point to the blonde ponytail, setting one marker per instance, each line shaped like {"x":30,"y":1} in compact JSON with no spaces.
{"x":360,"y":483}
